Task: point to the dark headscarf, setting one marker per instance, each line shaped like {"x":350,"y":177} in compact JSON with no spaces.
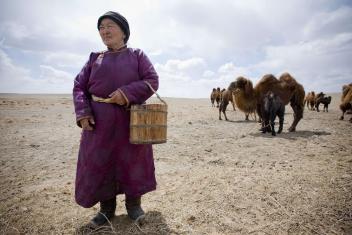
{"x":119,"y":20}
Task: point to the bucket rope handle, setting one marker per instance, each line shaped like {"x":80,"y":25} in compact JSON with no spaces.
{"x":157,"y":95}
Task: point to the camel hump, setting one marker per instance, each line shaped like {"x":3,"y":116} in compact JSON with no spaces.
{"x":268,"y":79}
{"x":242,"y":80}
{"x":288,"y":81}
{"x":346,"y":92}
{"x":286,"y":77}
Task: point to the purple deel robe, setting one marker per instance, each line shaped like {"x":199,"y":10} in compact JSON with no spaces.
{"x":107,"y":163}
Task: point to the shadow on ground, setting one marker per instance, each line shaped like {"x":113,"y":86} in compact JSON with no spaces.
{"x":291,"y":135}
{"x":154,"y":223}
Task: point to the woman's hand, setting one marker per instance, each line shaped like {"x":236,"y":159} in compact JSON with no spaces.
{"x":117,"y":98}
{"x":87,"y":124}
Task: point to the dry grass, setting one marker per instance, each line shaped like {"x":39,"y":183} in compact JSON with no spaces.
{"x":214,"y":177}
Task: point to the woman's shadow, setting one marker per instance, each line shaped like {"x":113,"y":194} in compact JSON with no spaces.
{"x":153,"y":223}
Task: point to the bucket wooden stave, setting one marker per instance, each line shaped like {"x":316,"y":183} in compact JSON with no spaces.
{"x":148,"y":123}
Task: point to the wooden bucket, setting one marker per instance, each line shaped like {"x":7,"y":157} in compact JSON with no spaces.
{"x":148,"y":122}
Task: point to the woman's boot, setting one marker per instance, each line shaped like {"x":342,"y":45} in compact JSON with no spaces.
{"x":133,"y":207}
{"x":107,"y":211}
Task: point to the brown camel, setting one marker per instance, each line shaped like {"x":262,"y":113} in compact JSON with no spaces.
{"x":213,"y":96}
{"x":346,"y":100}
{"x":237,"y":96}
{"x":218,"y":97}
{"x":286,"y":87}
{"x":226,"y":97}
{"x":310,"y":100}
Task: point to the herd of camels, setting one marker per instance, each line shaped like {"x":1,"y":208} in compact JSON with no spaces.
{"x":251,"y":99}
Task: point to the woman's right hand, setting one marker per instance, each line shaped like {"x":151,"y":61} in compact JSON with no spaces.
{"x":87,"y":124}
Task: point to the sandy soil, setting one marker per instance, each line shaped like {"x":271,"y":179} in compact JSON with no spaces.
{"x":214,"y":177}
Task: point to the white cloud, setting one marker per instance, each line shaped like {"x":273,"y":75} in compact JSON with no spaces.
{"x":13,"y":78}
{"x":175,"y":82}
{"x":326,"y":24}
{"x":322,"y":64}
{"x":208,"y":73}
{"x":228,"y":67}
{"x":14,"y":31}
{"x":55,"y":76}
{"x":65,"y":59}
{"x":16,"y":79}
{"x":184,"y":65}
{"x":183,"y":70}
{"x":156,"y":52}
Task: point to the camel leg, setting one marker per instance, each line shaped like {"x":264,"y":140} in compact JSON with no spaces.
{"x":281,"y":122}
{"x":222,"y":108}
{"x":344,"y":109}
{"x":297,"y":114}
{"x":264,"y":128}
{"x":272,"y":126}
{"x":317,"y":107}
{"x":343,"y":115}
{"x":225,"y":116}
{"x":233,"y":105}
{"x":259,"y":112}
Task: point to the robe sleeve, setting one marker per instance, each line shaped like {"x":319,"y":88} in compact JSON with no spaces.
{"x":81,"y":96}
{"x":138,"y":92}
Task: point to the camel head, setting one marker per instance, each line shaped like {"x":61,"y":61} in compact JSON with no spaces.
{"x":241,"y":83}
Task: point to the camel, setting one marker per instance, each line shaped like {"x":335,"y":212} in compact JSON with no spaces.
{"x":218,"y":97}
{"x":323,"y":100}
{"x":213,"y":96}
{"x":346,"y":100}
{"x":247,"y":108}
{"x":310,"y":100}
{"x":286,"y":87}
{"x":272,"y":107}
{"x":226,"y":97}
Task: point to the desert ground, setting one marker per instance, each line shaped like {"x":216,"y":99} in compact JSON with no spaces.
{"x":214,"y":177}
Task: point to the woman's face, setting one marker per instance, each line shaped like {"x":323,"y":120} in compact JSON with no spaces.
{"x":111,"y":34}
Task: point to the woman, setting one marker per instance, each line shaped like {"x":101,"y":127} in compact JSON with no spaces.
{"x":107,"y":163}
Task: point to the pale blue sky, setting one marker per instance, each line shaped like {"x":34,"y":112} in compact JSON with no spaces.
{"x":195,"y":45}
